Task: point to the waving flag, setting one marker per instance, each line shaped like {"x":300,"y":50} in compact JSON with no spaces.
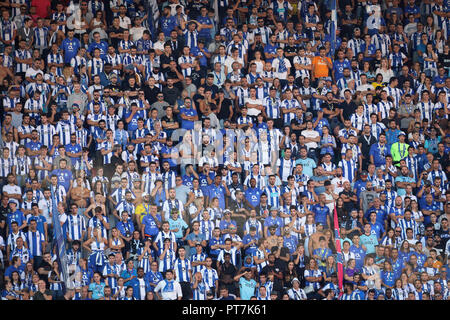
{"x":59,"y":243}
{"x":333,"y":26}
{"x":340,"y":258}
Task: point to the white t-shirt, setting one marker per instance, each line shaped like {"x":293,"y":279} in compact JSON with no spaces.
{"x":12,"y":190}
{"x":276,"y":65}
{"x":310,"y":134}
{"x":338,"y":184}
{"x":169,"y":295}
{"x":229,"y":62}
{"x":253,"y":111}
{"x":32,"y":72}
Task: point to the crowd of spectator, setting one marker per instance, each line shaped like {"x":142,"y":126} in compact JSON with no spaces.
{"x":198,"y":149}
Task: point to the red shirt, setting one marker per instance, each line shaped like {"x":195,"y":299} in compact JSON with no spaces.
{"x":41,"y":7}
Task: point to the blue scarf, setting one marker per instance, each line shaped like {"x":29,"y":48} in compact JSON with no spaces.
{"x":169,"y":286}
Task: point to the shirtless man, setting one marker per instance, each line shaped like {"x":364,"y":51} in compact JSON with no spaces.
{"x":8,"y":127}
{"x":313,"y":242}
{"x":137,"y":191}
{"x":274,"y":240}
{"x":4,"y":71}
{"x":80,"y":194}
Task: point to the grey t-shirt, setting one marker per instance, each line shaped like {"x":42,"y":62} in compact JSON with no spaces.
{"x":367,"y":197}
{"x":161,"y":107}
{"x":16,"y":120}
{"x":182,"y":193}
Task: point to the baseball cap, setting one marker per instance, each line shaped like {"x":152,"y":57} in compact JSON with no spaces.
{"x":308,"y":114}
{"x":115,"y":179}
{"x":364,"y":173}
{"x":295,"y":279}
{"x":273,"y":88}
{"x":273,"y":208}
{"x":145,"y":194}
{"x":401,"y":133}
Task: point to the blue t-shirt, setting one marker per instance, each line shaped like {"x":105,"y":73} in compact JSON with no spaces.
{"x":150,"y":225}
{"x":338,"y":67}
{"x":196,"y":238}
{"x":369,"y":242}
{"x":253,"y":196}
{"x":197,"y":53}
{"x":271,"y":221}
{"x":270,"y":49}
{"x":17,"y":216}
{"x":132,"y":125}
{"x":64,"y":177}
{"x":70,"y":48}
{"x":252,"y":248}
{"x":381,"y":215}
{"x":308,"y":166}
{"x":205,"y":33}
{"x":167,"y":24}
{"x":187,"y":124}
{"x":218,"y":192}
{"x":97,"y":290}
{"x":360,"y":254}
{"x":247,"y":288}
{"x":180,"y":224}
{"x":359,"y":187}
{"x":70,"y":148}
{"x":102,"y":46}
{"x":33,"y":146}
{"x":376,"y":229}
{"x":321,"y":213}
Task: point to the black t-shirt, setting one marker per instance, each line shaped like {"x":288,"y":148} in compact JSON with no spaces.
{"x":291,"y":49}
{"x":171,"y":95}
{"x":194,"y":9}
{"x":151,"y":94}
{"x":251,"y":52}
{"x":376,"y":64}
{"x":296,"y":122}
{"x":224,"y":112}
{"x":168,"y":121}
{"x":444,"y":59}
{"x":176,"y":46}
{"x":277,"y":283}
{"x":348,"y":109}
{"x":47,"y":267}
{"x":3,"y":215}
{"x":351,"y":204}
{"x":330,"y":106}
{"x":163,"y":59}
{"x":445,"y":235}
{"x":197,"y":76}
{"x":213,"y":89}
{"x":115,"y":41}
{"x":114,"y":88}
{"x":366,"y":143}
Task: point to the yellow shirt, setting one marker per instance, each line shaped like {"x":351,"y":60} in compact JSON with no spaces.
{"x":142,"y":210}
